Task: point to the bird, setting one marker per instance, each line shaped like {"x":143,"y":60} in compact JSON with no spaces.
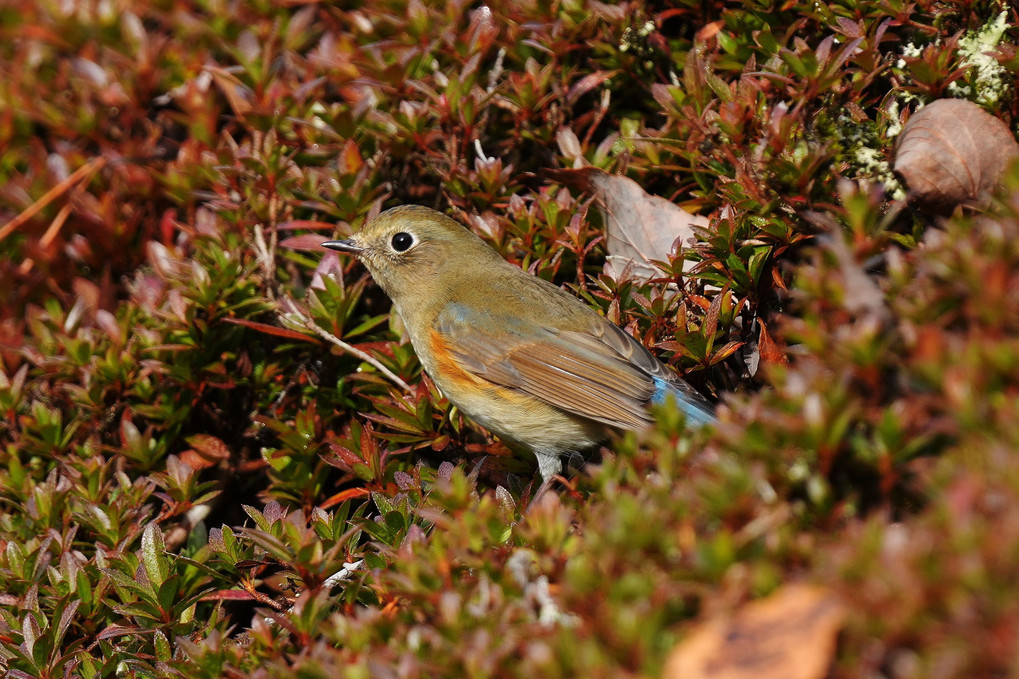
{"x":523,"y":358}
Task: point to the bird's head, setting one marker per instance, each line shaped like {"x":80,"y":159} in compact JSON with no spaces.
{"x":411,"y":251}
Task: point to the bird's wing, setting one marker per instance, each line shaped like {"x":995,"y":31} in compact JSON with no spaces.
{"x":698,"y":409}
{"x":602,"y":374}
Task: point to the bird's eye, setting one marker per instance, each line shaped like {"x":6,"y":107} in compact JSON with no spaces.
{"x":401,"y":241}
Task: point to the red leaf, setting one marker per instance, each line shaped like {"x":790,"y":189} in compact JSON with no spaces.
{"x":192,"y":459}
{"x":350,"y":158}
{"x":306,"y":241}
{"x":588,"y":83}
{"x":114,"y":630}
{"x":310,"y":224}
{"x":768,"y":348}
{"x":209,"y":446}
{"x":272,"y":330}
{"x":343,"y":496}
{"x":725,"y":352}
{"x":228,"y":595}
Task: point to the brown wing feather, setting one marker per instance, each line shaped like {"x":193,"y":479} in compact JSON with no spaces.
{"x":639,"y":355}
{"x":577,"y":372}
{"x":612,"y":396}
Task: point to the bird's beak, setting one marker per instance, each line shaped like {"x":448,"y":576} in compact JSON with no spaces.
{"x":346,"y":245}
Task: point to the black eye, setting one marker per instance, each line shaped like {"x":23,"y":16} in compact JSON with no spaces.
{"x":402,"y":241}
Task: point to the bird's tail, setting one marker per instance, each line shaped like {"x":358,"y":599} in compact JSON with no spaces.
{"x":698,"y":410}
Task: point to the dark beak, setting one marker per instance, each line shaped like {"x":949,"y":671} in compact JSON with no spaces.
{"x":343,"y":246}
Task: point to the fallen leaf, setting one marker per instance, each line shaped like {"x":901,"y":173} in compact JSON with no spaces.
{"x":640,"y":227}
{"x":952,"y":152}
{"x":789,"y":635}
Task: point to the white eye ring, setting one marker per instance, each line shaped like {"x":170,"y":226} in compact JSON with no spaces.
{"x":402,"y":241}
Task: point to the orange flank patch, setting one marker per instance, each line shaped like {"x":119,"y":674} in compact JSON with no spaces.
{"x":450,"y":373}
{"x":459,"y":384}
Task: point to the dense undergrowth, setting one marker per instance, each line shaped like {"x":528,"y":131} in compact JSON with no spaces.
{"x":188,"y":467}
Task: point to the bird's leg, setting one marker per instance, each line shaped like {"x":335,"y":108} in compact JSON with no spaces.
{"x":549,"y":466}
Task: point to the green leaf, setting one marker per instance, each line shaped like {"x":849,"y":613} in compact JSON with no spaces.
{"x":154,"y":559}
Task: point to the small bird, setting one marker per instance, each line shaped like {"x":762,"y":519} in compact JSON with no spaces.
{"x":526,"y":360}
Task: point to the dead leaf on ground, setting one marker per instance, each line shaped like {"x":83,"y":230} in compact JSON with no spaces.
{"x":640,"y":227}
{"x":953,"y":153}
{"x":789,"y":635}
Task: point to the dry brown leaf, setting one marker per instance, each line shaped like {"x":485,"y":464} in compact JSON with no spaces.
{"x":762,"y":350}
{"x":769,"y":349}
{"x":789,"y":635}
{"x":640,"y":227}
{"x":953,"y":153}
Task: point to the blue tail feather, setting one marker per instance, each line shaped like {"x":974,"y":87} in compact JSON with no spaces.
{"x":696,"y":408}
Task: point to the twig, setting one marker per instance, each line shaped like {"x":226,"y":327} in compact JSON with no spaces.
{"x":87,"y":169}
{"x":366,"y":357}
{"x":496,"y":72}
{"x":265,"y":259}
{"x":48,"y":237}
{"x":267,"y":251}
